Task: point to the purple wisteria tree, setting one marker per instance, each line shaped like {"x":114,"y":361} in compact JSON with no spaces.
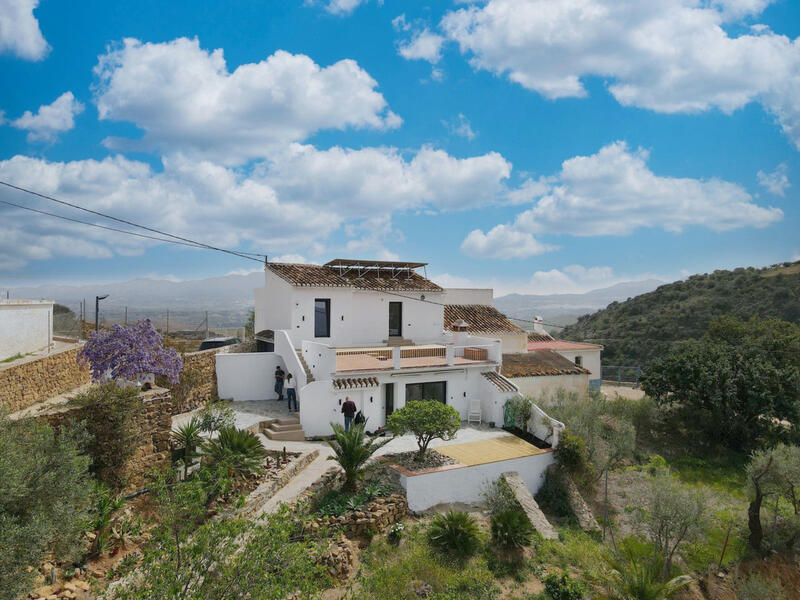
{"x":129,"y":353}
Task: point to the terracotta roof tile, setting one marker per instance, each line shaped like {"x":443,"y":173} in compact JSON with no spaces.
{"x":500,"y":382}
{"x":480,"y":318}
{"x":539,"y":337}
{"x":538,"y":363}
{"x":324,"y":276}
{"x":552,"y":344}
{"x":346,"y":383}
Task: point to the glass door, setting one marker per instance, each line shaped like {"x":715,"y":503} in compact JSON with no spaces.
{"x":395,"y":319}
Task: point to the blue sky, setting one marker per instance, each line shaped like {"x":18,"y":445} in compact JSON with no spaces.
{"x":532,"y":146}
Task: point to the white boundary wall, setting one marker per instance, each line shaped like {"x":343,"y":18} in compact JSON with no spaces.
{"x":247,"y":376}
{"x":25,"y":326}
{"x":466,"y":484}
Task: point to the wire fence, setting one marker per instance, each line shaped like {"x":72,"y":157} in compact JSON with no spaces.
{"x":628,"y":375}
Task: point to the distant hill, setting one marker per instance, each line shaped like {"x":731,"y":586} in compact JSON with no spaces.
{"x":643,"y":327}
{"x":564,"y":309}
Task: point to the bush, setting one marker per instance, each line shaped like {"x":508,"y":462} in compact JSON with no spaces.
{"x":454,"y":533}
{"x":45,"y":499}
{"x":336,"y":503}
{"x":187,"y":437}
{"x":111,"y":413}
{"x":755,"y":587}
{"x":239,"y":449}
{"x":552,"y":497}
{"x":562,"y":587}
{"x":571,"y":454}
{"x":518,"y":411}
{"x":499,"y":497}
{"x":638,"y":575}
{"x":215,"y":416}
{"x":511,"y":529}
{"x":426,"y":420}
{"x":352,"y":449}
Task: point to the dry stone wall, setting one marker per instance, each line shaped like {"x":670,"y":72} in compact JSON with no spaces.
{"x":154,"y":423}
{"x":30,"y":382}
{"x":375,"y":517}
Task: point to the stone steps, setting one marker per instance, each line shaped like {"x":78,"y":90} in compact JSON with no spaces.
{"x":529,"y":506}
{"x":284,"y":429}
{"x":309,"y":376}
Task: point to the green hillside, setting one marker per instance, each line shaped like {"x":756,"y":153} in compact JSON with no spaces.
{"x":640,"y":328}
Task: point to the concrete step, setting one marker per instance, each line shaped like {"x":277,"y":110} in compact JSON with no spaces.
{"x":293,"y":435}
{"x":288,"y":421}
{"x":287,"y":427}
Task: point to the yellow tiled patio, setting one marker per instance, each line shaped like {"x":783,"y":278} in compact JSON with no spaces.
{"x":506,"y":447}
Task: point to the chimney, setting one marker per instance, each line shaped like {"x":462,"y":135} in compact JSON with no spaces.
{"x":538,"y":326}
{"x":459,"y":328}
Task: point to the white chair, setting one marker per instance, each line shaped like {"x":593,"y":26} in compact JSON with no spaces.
{"x":475,"y":413}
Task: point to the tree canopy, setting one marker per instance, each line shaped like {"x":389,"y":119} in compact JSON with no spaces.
{"x":426,"y":420}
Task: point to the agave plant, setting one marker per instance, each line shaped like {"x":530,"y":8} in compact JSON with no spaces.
{"x":352,"y":449}
{"x":188,"y":436}
{"x":240,"y":449}
{"x":454,"y":533}
{"x":639,"y":578}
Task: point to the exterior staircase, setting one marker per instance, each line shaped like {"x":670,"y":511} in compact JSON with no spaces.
{"x":309,"y":376}
{"x":283,"y":429}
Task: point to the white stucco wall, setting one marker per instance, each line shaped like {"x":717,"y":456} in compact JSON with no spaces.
{"x":547,"y":385}
{"x":591,"y":360}
{"x":25,"y":326}
{"x":469,"y":296}
{"x":466,"y":484}
{"x":273,"y":309}
{"x":247,"y":376}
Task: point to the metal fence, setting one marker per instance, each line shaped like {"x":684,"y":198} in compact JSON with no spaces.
{"x":621,"y":374}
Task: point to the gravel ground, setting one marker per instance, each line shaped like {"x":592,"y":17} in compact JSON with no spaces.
{"x":432,"y":460}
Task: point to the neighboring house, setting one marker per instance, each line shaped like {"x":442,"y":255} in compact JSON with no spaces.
{"x":486,"y":321}
{"x":543,"y":372}
{"x":375,"y":331}
{"x":25,"y":326}
{"x":582,"y":354}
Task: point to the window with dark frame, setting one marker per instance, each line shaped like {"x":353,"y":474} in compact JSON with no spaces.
{"x":395,"y":319}
{"x":429,"y":390}
{"x":579,"y":361}
{"x":322,"y":317}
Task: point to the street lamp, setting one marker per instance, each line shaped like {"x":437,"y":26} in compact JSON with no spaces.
{"x":97,"y":311}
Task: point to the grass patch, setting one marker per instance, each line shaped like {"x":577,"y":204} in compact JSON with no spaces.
{"x":412,"y":570}
{"x":17,"y":356}
{"x":722,"y":472}
{"x":576,"y":552}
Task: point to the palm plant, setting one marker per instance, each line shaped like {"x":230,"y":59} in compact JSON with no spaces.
{"x":454,"y":533}
{"x":639,"y":578}
{"x":511,"y":529}
{"x":352,"y":449}
{"x":240,"y":449}
{"x":188,"y":436}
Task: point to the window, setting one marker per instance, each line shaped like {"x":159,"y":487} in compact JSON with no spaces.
{"x":430,"y":390}
{"x":322,"y":317}
{"x":395,"y":318}
{"x":579,"y":361}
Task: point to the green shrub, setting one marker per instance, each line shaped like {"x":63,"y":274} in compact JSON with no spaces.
{"x":454,"y":533}
{"x":552,"y":497}
{"x":511,"y":529}
{"x":110,"y":419}
{"x":755,"y":587}
{"x":239,"y":449}
{"x":571,"y":454}
{"x":518,"y":411}
{"x":562,"y":587}
{"x":426,"y":420}
{"x":215,"y":416}
{"x":45,"y":499}
{"x":352,"y":449}
{"x":187,"y":437}
{"x":498,"y":496}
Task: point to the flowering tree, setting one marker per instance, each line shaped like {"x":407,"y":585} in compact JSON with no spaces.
{"x":129,"y":353}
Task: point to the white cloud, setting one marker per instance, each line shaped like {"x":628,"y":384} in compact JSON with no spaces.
{"x":423,"y":45}
{"x":51,"y":119}
{"x":461,"y":127}
{"x":502,"y":241}
{"x":669,"y":56}
{"x":613,"y":192}
{"x":345,"y":7}
{"x":19,"y":30}
{"x":290,"y":205}
{"x":186,"y":100}
{"x":776,"y":182}
{"x":737,"y":9}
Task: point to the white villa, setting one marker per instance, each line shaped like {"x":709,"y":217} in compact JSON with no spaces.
{"x":375,"y":331}
{"x":581,"y":354}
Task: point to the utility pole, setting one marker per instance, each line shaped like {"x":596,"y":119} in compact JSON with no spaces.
{"x":97,"y":311}
{"x":126,"y":316}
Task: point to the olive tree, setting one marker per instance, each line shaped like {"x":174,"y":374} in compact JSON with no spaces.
{"x":773,"y":472}
{"x":426,"y":420}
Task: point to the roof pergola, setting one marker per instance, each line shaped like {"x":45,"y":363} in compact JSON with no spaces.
{"x":396,"y":269}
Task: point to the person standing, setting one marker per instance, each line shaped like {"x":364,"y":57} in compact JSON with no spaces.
{"x":279,"y":375}
{"x":291,"y":392}
{"x":349,"y":411}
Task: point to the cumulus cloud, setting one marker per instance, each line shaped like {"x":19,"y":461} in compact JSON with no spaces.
{"x":291,"y":204}
{"x":669,"y":56}
{"x":345,"y":7}
{"x":613,"y":192}
{"x":51,"y":119}
{"x":775,"y":182}
{"x":19,"y":30}
{"x":186,"y":100}
{"x":423,"y":45}
{"x":461,"y":127}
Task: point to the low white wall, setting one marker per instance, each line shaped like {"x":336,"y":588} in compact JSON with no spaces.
{"x":247,"y":376}
{"x":547,"y":385}
{"x":466,"y":484}
{"x":25,"y":326}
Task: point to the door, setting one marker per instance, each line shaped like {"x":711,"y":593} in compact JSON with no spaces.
{"x":322,"y":317}
{"x":395,"y":319}
{"x":388,"y":394}
{"x":430,"y":390}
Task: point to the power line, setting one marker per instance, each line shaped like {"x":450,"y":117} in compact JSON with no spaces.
{"x":246,"y":255}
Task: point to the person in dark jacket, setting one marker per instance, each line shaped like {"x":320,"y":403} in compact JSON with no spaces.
{"x":349,"y":411}
{"x":279,"y":375}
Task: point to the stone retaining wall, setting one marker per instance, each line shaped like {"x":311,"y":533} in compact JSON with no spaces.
{"x":377,"y":516}
{"x":258,"y":497}
{"x":154,"y":423}
{"x":30,"y":382}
